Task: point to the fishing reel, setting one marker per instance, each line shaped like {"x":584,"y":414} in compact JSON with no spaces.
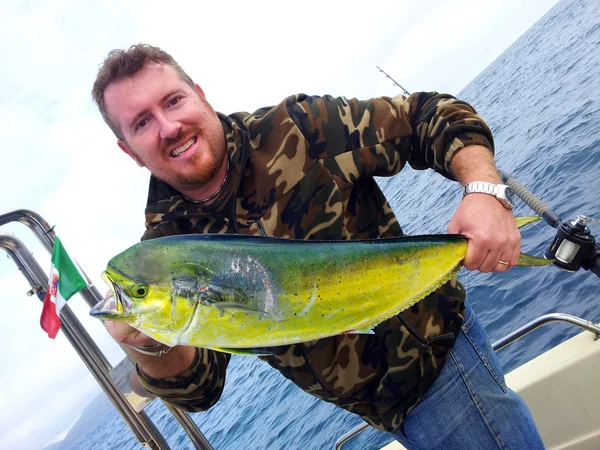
{"x":574,"y":246}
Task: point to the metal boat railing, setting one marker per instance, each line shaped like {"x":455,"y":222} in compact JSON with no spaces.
{"x":543,"y":320}
{"x":499,"y":345}
{"x":142,"y":427}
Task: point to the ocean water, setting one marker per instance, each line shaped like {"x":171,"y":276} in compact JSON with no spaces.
{"x":542,"y":101}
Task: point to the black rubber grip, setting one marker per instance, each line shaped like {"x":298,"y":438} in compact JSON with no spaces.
{"x":532,"y":201}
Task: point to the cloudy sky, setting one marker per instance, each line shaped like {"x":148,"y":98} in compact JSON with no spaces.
{"x":60,"y":160}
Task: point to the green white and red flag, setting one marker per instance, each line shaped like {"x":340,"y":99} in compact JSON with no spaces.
{"x":65,"y":280}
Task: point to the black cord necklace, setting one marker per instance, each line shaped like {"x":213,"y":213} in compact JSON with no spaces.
{"x":217,"y":192}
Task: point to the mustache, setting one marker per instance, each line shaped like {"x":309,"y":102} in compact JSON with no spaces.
{"x":182,"y":136}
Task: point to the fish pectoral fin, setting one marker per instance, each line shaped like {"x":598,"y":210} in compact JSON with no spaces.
{"x":229,"y":299}
{"x":219,"y":293}
{"x":530,"y":260}
{"x":187,"y":287}
{"x":247,"y":351}
{"x":360,"y":331}
{"x":230,"y":306}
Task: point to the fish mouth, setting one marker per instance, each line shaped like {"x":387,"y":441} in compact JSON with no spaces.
{"x":115,"y":305}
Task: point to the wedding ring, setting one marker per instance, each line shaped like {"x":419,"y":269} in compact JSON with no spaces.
{"x":504,"y":263}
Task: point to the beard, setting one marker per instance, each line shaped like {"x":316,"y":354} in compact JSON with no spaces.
{"x":203,"y":167}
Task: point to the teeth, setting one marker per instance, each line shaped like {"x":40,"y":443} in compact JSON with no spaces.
{"x":179,"y":150}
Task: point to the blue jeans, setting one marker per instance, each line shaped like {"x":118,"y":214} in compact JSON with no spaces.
{"x":469,"y":405}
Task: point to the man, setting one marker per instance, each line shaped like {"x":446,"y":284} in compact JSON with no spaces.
{"x":304,"y":170}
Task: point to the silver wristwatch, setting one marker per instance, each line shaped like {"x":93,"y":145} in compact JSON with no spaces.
{"x":500,"y":191}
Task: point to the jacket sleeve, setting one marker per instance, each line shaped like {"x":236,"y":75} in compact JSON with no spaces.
{"x":380,"y":135}
{"x":197,"y":388}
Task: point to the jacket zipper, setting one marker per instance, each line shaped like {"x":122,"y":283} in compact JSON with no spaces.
{"x":419,"y":337}
{"x":261,"y":228}
{"x":324,"y":385}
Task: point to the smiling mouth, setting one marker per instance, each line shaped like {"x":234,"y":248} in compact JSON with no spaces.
{"x":182,"y":148}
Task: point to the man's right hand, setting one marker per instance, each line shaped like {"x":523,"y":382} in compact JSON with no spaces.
{"x":126,"y":334}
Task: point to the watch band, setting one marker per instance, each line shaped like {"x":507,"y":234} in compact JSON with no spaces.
{"x":483,"y":187}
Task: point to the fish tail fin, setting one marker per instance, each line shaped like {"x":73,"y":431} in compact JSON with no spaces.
{"x":524,"y":258}
{"x":526,"y":220}
{"x":530,"y":260}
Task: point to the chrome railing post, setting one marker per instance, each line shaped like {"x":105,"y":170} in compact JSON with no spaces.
{"x":542,"y":320}
{"x":143,"y":428}
{"x":350,"y":435}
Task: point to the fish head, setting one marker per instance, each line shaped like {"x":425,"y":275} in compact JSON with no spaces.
{"x":142,"y":305}
{"x":128,"y":299}
{"x":142,"y":295}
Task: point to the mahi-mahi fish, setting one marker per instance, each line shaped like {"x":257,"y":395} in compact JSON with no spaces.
{"x":243,"y":294}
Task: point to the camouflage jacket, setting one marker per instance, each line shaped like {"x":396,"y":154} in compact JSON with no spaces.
{"x":304,"y":170}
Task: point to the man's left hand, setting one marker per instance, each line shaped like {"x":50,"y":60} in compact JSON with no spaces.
{"x":493,"y":237}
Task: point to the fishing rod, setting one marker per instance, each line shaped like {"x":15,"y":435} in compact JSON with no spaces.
{"x":574,"y":245}
{"x":394,"y":81}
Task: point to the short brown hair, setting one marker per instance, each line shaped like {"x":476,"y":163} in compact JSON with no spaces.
{"x":120,"y":64}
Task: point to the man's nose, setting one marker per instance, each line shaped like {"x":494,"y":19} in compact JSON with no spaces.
{"x":169,"y":128}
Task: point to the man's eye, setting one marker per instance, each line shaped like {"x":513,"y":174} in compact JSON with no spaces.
{"x":141,"y":124}
{"x":174,"y":101}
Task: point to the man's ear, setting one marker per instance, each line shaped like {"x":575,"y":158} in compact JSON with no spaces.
{"x":132,"y":155}
{"x":199,"y":89}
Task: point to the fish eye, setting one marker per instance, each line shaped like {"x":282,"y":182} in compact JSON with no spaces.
{"x":139,"y":290}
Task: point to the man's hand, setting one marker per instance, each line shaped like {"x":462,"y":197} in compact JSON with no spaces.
{"x":491,"y":230}
{"x":125,"y":334}
{"x":170,"y":364}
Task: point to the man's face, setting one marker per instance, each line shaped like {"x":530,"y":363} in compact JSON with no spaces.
{"x":167,"y":126}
